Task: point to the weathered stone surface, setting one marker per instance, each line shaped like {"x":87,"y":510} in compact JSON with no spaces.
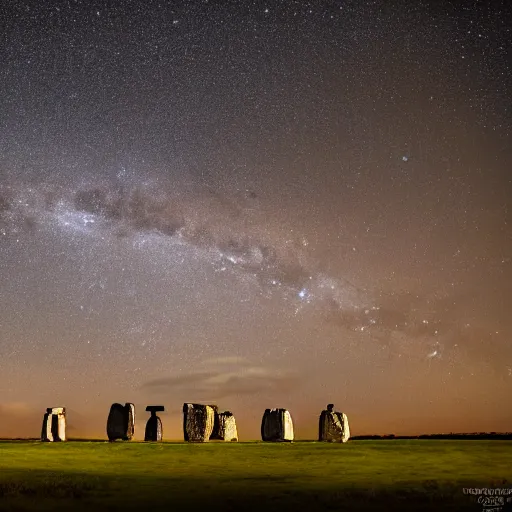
{"x":198,"y":422}
{"x":227,"y":427}
{"x":277,"y":425}
{"x":121,"y":422}
{"x":154,"y":429}
{"x":54,"y":425}
{"x":333,"y":426}
{"x":116,"y":422}
{"x":215,"y":431}
{"x":131,"y":421}
{"x":46,"y":431}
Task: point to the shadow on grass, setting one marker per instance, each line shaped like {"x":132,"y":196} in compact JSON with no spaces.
{"x":48,"y":490}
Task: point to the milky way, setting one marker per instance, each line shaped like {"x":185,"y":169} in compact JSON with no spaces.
{"x":230,"y":236}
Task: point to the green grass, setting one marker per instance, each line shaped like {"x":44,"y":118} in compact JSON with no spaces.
{"x":360,"y":475}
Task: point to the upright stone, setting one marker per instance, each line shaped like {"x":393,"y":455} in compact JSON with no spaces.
{"x":198,"y":422}
{"x":227,"y":427}
{"x":121,"y":422}
{"x":54,"y":425}
{"x":154,"y":430}
{"x":131,"y":421}
{"x":333,"y":426}
{"x":215,"y":430}
{"x":277,"y":425}
{"x":46,"y":431}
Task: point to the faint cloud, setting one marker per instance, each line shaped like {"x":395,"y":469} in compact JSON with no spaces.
{"x":225,"y":377}
{"x":18,"y":408}
{"x":229,"y":360}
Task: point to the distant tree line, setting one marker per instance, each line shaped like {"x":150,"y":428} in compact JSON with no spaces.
{"x":451,"y":435}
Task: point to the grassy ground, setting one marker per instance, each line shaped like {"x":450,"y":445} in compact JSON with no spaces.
{"x":360,"y":475}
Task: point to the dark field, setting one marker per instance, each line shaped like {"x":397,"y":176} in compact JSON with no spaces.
{"x":360,"y":475}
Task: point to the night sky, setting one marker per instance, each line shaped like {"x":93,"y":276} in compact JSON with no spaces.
{"x":256,"y":204}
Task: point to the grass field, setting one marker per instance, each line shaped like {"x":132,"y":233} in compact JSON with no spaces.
{"x":360,"y":475}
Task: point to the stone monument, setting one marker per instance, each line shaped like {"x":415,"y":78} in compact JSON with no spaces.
{"x":333,"y":426}
{"x":121,"y":422}
{"x":154,"y":429}
{"x":198,"y":422}
{"x":54,"y":425}
{"x":277,"y":426}
{"x":227,"y":427}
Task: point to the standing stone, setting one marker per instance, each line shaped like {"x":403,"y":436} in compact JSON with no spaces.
{"x":54,"y":425}
{"x":277,"y":425}
{"x":227,"y":427}
{"x":46,"y":431}
{"x":198,"y":422}
{"x":216,"y":426}
{"x":121,"y":422}
{"x":154,"y":430}
{"x":333,"y":426}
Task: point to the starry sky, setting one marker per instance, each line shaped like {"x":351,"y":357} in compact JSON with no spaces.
{"x":256,"y":204}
